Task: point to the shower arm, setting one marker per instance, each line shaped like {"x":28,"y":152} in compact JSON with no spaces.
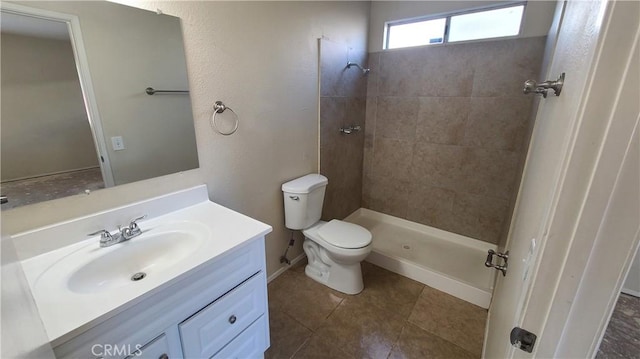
{"x":364,"y":71}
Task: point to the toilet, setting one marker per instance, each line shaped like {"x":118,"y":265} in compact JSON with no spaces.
{"x":334,"y":249}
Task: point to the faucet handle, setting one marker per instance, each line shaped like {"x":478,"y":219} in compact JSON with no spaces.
{"x":133,"y":224}
{"x":104,"y":234}
{"x":133,"y":229}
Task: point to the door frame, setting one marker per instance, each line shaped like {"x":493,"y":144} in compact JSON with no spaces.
{"x":558,"y":296}
{"x":84,"y":76}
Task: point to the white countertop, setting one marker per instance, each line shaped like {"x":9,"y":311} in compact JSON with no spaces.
{"x":66,"y":313}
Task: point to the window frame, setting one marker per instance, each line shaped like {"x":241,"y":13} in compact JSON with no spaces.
{"x":447,"y":26}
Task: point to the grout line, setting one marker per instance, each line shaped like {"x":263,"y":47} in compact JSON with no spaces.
{"x":397,"y":341}
{"x":415,"y":304}
{"x":332,"y":311}
{"x":297,"y":321}
{"x":300,"y":347}
{"x":441,"y":337}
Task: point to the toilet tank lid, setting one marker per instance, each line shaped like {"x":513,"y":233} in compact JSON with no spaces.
{"x":305,"y":184}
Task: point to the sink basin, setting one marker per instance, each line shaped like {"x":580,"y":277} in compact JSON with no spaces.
{"x":92,"y":269}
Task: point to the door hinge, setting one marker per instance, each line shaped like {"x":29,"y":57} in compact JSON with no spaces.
{"x":523,"y":339}
{"x":102,"y":159}
{"x":501,"y":267}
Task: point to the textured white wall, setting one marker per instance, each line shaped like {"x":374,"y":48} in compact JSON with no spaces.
{"x":537,"y":17}
{"x":261,"y":59}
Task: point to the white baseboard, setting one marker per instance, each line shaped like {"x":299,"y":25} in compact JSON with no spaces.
{"x":631,"y":292}
{"x":277,"y":273}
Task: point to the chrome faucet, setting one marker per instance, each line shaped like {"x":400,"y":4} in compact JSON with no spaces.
{"x":132,"y":230}
{"x":124,"y":234}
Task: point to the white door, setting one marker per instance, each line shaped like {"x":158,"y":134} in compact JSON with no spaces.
{"x":573,"y":50}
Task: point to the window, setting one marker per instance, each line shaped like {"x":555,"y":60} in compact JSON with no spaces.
{"x":416,"y":33}
{"x":476,"y":25}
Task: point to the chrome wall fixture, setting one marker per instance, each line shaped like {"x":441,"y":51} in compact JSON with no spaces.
{"x":347,"y":130}
{"x":531,"y":86}
{"x":151,"y":91}
{"x":219,"y":107}
{"x":364,"y":71}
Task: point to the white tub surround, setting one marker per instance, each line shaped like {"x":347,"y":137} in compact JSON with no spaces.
{"x":446,"y":261}
{"x":198,"y":257}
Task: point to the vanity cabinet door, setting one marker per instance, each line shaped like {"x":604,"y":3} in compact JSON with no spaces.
{"x":210,"y":329}
{"x":156,"y":349}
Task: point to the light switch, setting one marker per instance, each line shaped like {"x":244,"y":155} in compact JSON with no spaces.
{"x":118,"y":143}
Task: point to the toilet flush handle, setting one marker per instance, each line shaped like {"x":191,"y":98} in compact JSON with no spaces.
{"x":295,"y":198}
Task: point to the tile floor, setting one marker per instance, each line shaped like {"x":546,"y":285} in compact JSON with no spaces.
{"x":622,"y":337}
{"x":394,"y":317}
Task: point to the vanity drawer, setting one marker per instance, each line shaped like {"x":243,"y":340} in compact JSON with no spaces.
{"x":156,"y":349}
{"x":250,"y":344}
{"x":210,"y":329}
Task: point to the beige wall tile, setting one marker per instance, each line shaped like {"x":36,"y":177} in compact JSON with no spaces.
{"x":386,"y":196}
{"x":391,"y":158}
{"x":438,"y":165}
{"x":333,"y":59}
{"x":399,"y":73}
{"x":336,"y":79}
{"x":370,"y":121}
{"x":427,"y":203}
{"x":396,"y":117}
{"x":442,"y":119}
{"x":356,"y":110}
{"x":446,"y":71}
{"x":477,"y":216}
{"x":373,"y":78}
{"x":332,"y":117}
{"x":502,"y":66}
{"x":498,"y":122}
{"x":462,"y":108}
{"x":490,"y":172}
{"x":343,"y":104}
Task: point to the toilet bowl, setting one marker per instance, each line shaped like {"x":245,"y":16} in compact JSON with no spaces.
{"x":334,"y":249}
{"x":334,"y":256}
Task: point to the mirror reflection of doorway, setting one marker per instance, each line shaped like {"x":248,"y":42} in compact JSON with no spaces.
{"x":47,"y":147}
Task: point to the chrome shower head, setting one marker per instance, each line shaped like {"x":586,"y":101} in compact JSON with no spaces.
{"x":364,"y":71}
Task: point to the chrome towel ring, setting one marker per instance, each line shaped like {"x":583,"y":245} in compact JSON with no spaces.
{"x":219,"y":107}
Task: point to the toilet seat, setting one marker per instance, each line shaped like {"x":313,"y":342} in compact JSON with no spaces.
{"x":345,"y":235}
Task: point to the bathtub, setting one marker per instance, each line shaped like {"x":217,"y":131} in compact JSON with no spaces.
{"x":446,"y":261}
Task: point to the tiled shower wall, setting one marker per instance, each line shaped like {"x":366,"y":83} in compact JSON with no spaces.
{"x":342,"y":103}
{"x":445,"y":133}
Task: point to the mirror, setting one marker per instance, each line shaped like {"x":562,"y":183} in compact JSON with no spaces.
{"x":76,"y":115}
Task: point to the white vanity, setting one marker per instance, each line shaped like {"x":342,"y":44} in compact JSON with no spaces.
{"x":192,"y":285}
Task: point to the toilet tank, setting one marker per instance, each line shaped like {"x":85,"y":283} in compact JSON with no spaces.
{"x":303,"y":199}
